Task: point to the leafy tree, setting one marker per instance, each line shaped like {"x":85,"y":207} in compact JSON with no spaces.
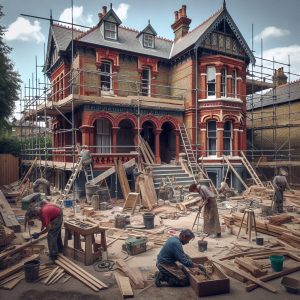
{"x":9,"y":80}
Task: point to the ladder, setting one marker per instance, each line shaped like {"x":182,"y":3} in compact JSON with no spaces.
{"x":72,"y":178}
{"x":193,"y":165}
{"x":88,"y":172}
{"x":235,"y":172}
{"x":250,"y":169}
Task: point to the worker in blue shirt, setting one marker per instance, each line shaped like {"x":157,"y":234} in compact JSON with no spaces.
{"x":172,"y":252}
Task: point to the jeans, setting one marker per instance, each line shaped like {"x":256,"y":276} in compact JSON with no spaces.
{"x":171,"y":279}
{"x":55,"y":243}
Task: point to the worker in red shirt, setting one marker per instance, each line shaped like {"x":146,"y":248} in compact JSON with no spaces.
{"x":51,"y":217}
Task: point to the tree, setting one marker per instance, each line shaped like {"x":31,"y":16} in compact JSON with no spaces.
{"x":9,"y":80}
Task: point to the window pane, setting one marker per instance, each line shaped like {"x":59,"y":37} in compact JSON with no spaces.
{"x":211,"y":81}
{"x":106,"y":82}
{"x":212,"y":137}
{"x":234,"y":85}
{"x":110,"y":30}
{"x":148,"y":40}
{"x":223,"y":82}
{"x":146,"y":82}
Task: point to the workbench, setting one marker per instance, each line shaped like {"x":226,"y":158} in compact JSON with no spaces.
{"x":75,"y":229}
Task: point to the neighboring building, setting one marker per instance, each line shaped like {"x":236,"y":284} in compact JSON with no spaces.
{"x":124,"y":80}
{"x":274,"y":122}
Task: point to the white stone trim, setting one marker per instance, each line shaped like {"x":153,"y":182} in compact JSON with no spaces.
{"x":203,"y":74}
{"x":239,"y":78}
{"x":221,"y":99}
{"x":228,"y":76}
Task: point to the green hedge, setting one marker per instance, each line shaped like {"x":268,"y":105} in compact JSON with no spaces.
{"x":10,"y":145}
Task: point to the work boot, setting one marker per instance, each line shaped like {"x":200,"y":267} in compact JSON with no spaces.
{"x":159,"y":278}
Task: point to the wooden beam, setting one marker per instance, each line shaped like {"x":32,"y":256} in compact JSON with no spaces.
{"x":235,"y":172}
{"x":124,"y":285}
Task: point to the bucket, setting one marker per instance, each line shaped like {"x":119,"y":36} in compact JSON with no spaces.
{"x":96,"y":202}
{"x":149,"y":220}
{"x":31,"y":270}
{"x":202,"y":246}
{"x":277,"y":262}
{"x":259,"y":241}
{"x":103,"y":205}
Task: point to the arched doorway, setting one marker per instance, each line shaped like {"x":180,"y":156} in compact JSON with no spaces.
{"x":148,"y":134}
{"x":125,"y":137}
{"x":103,"y":134}
{"x":167,"y":143}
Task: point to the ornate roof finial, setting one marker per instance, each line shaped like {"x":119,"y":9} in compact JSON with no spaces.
{"x":149,"y":21}
{"x":110,"y":5}
{"x":51,"y":20}
{"x":224,"y":4}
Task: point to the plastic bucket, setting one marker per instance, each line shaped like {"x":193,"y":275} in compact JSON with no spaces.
{"x":202,"y":246}
{"x":149,"y":220}
{"x":259,"y":241}
{"x":31,"y":270}
{"x":277,"y":262}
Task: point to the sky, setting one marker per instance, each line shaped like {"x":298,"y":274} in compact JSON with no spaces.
{"x":275,"y":24}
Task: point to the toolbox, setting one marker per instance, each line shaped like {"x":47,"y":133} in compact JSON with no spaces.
{"x":218,"y":283}
{"x":136,"y":245}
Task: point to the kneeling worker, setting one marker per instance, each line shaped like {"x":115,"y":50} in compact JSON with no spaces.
{"x":172,"y":252}
{"x":51,"y":217}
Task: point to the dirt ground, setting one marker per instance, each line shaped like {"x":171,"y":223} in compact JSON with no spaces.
{"x":75,"y":290}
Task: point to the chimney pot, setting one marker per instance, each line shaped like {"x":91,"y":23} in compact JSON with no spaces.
{"x":104,"y":10}
{"x":180,"y":13}
{"x":183,"y":11}
{"x":176,"y":15}
{"x":100,"y":16}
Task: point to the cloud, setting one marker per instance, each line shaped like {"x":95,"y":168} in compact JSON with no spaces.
{"x":122,"y":10}
{"x":79,"y":17}
{"x":280,"y":54}
{"x":23,"y":30}
{"x":271,"y":31}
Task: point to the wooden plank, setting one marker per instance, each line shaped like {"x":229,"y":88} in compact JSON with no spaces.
{"x":252,"y":286}
{"x":75,"y":273}
{"x":130,"y":201}
{"x":51,"y":275}
{"x":9,"y":169}
{"x":122,"y":178}
{"x":8,"y":215}
{"x":58,"y":275}
{"x":144,"y":193}
{"x":149,"y":150}
{"x":13,"y":269}
{"x":124,"y":285}
{"x":11,"y":284}
{"x":28,"y":172}
{"x":248,"y":276}
{"x":111,"y":171}
{"x":82,"y":271}
{"x":235,"y":172}
{"x":254,"y":270}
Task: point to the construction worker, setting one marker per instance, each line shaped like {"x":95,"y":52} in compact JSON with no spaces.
{"x":51,"y":217}
{"x":86,"y":155}
{"x":280,"y":184}
{"x":211,"y":222}
{"x":169,"y":273}
{"x":45,"y":183}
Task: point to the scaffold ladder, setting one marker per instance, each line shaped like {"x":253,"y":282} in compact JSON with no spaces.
{"x":88,"y":172}
{"x":192,"y":163}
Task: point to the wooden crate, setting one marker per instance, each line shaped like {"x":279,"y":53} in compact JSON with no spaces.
{"x":209,"y":287}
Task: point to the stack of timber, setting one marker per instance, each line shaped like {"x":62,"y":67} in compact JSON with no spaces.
{"x":258,"y":193}
{"x":7,"y":215}
{"x":291,"y":237}
{"x":147,"y":190}
{"x":147,"y":153}
{"x":55,"y":275}
{"x":293,"y":199}
{"x":80,"y":274}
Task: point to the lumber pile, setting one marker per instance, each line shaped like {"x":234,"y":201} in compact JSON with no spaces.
{"x":291,"y":237}
{"x":124,"y":285}
{"x":258,"y":193}
{"x":7,"y":215}
{"x":74,"y":270}
{"x":251,"y":264}
{"x":280,"y":219}
{"x":120,"y":170}
{"x":147,"y":153}
{"x":147,"y":190}
{"x":293,"y":199}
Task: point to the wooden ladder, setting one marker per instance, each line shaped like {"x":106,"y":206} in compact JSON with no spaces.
{"x":250,"y":169}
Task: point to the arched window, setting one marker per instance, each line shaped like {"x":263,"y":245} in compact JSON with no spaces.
{"x":212,"y":138}
{"x":103,"y":136}
{"x":106,"y":79}
{"x":211,"y":82}
{"x":223,"y":82}
{"x":227,"y":138}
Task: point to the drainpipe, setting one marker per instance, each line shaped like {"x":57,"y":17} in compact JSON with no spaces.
{"x":196,"y":104}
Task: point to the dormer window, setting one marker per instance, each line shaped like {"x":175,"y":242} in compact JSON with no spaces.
{"x":110,"y":30}
{"x":148,"y":40}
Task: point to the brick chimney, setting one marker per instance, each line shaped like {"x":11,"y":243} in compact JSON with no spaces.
{"x":103,"y":13}
{"x":279,"y":78}
{"x":181,"y":24}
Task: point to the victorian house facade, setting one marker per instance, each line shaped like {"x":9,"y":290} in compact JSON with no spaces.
{"x":119,"y":83}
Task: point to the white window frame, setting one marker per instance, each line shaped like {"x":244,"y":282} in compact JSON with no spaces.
{"x":211,"y":76}
{"x":148,"y":40}
{"x":110,"y":30}
{"x":103,"y":136}
{"x":229,"y":137}
{"x":223,"y":87}
{"x":212,"y":152}
{"x":146,"y":82}
{"x":106,"y":77}
{"x":234,"y":84}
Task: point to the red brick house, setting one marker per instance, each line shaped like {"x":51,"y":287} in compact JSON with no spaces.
{"x":127,"y":82}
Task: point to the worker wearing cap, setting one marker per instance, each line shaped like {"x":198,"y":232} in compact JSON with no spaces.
{"x":172,"y":252}
{"x":280,"y":184}
{"x":51,"y":217}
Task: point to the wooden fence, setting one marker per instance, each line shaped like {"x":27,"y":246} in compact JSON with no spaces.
{"x":9,"y":168}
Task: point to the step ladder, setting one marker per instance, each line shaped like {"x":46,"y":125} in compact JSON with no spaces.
{"x":250,"y":169}
{"x":77,"y":168}
{"x":192,"y":162}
